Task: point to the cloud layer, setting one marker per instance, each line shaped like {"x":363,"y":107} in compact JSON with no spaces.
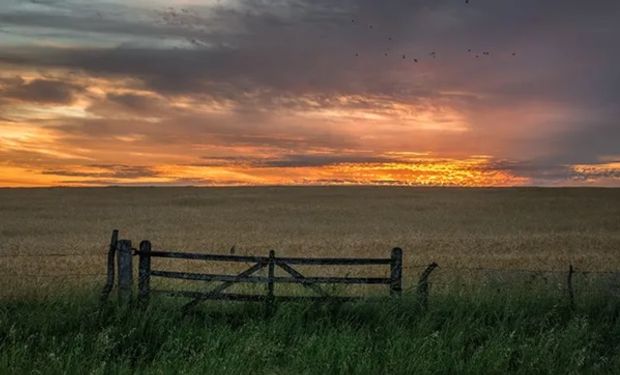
{"x":398,"y":92}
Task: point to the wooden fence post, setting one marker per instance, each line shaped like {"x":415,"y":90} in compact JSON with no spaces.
{"x":144,"y":271}
{"x":125,"y":272}
{"x":569,"y":284}
{"x":423,"y":285}
{"x":396,"y":272}
{"x":270,"y":283}
{"x":109,"y":284}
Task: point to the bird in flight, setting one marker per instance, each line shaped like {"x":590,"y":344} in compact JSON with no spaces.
{"x":432,"y":54}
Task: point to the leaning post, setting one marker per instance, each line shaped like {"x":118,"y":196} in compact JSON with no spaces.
{"x":109,"y":284}
{"x":396,"y":272}
{"x":423,"y":285}
{"x":125,"y":272}
{"x":144,"y":271}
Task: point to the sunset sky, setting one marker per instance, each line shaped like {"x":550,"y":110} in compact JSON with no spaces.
{"x":504,"y":92}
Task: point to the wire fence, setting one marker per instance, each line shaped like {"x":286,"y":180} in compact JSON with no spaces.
{"x":572,"y":280}
{"x":443,"y":276}
{"x":64,"y":275}
{"x":405,"y":267}
{"x":96,"y":254}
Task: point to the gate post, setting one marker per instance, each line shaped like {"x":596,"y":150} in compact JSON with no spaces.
{"x":270,"y":283}
{"x":109,"y":284}
{"x":569,"y":287}
{"x":144,"y":272}
{"x":125,"y":272}
{"x":396,"y":271}
{"x":423,"y":285}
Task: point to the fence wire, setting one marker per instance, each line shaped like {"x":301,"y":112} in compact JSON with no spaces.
{"x":443,"y":278}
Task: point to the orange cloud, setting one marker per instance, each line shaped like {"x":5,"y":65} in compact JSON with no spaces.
{"x":430,"y":172}
{"x":111,"y":130}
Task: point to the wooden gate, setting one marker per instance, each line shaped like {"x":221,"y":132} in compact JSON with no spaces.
{"x":124,"y":251}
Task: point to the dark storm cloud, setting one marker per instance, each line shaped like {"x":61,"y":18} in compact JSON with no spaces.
{"x":305,"y":160}
{"x":588,"y":143}
{"x":543,"y":172}
{"x":186,"y":130}
{"x":38,"y":90}
{"x":107,"y":171}
{"x":170,"y":182}
{"x":540,"y":171}
{"x":591,"y":172}
{"x":135,"y":104}
{"x":306,"y":46}
{"x":296,"y":160}
{"x":86,"y":22}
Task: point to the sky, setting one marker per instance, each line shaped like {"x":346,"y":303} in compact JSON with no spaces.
{"x":317,"y":92}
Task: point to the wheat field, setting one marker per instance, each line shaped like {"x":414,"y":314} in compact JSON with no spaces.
{"x":55,"y":240}
{"x":57,"y":237}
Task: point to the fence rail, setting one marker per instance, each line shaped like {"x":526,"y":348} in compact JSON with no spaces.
{"x":123,"y":252}
{"x":276,"y":279}
{"x":288,"y":260}
{"x":120,"y":264}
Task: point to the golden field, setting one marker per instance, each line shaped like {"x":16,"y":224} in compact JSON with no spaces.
{"x":510,"y":228}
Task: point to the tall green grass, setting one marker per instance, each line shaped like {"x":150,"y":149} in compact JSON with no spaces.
{"x":487,"y":332}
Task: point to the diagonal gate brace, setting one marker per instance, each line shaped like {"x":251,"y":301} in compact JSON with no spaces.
{"x":298,"y":276}
{"x":220,"y":288}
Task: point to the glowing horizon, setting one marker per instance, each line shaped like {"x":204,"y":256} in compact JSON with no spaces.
{"x":212,"y":94}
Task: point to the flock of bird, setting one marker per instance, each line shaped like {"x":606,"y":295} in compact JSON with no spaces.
{"x":432,"y":54}
{"x":186,"y":17}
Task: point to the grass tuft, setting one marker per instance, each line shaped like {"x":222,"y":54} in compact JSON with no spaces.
{"x":482,"y":333}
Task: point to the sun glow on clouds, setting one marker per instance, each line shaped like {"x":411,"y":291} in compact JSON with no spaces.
{"x":222,"y":93}
{"x":443,"y":172}
{"x":387,"y":112}
{"x":108,"y":134}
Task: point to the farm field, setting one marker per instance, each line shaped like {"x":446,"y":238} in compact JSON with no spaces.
{"x":58,"y":237}
{"x":54,"y":241}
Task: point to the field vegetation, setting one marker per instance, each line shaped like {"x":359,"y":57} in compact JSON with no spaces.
{"x":474,"y":334}
{"x":498,"y":301}
{"x":521,"y":228}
